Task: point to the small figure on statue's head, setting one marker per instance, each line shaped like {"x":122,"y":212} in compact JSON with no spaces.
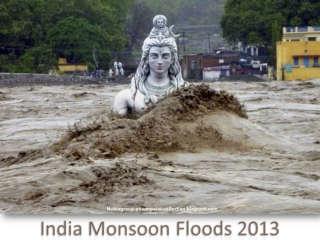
{"x":158,"y":74}
{"x":160,"y":21}
{"x":160,"y":29}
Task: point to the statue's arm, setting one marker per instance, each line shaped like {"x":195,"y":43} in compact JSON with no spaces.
{"x":121,"y":103}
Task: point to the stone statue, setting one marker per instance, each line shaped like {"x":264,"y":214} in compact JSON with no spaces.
{"x":158,"y":74}
{"x":115,"y":64}
{"x":160,"y":29}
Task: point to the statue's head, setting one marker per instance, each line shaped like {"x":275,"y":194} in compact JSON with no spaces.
{"x":165,"y":42}
{"x":159,"y":21}
{"x":160,"y":36}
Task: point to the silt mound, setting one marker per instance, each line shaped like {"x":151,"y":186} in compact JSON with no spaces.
{"x":176,"y":123}
{"x":173,"y":124}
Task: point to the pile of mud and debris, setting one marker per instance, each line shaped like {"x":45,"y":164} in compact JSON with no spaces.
{"x":173,"y":124}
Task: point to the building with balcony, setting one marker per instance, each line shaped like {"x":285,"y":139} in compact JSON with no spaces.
{"x":298,"y":53}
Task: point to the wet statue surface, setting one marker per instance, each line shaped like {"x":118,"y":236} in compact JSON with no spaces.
{"x":158,"y":74}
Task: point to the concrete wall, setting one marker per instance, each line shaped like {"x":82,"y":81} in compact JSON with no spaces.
{"x":304,"y":52}
{"x":211,"y":75}
{"x":302,"y":74}
{"x":15,"y":80}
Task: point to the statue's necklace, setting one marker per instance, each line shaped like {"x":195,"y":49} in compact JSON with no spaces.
{"x":159,"y":91}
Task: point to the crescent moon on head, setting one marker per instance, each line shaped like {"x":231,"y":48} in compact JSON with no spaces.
{"x":171,"y":33}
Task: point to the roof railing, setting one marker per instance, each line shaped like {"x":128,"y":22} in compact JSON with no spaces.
{"x":290,"y":29}
{"x":303,"y":29}
{"x":316,"y":28}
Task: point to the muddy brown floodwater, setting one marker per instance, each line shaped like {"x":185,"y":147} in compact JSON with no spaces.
{"x":223,"y":147}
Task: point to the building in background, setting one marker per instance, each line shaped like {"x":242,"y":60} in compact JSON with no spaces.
{"x":207,"y":66}
{"x":298,"y":54}
{"x":65,"y":67}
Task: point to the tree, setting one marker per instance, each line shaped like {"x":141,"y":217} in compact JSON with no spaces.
{"x":75,"y":39}
{"x":139,"y":24}
{"x":27,"y":27}
{"x":242,"y":21}
{"x":252,"y":21}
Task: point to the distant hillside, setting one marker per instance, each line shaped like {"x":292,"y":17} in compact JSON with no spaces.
{"x":199,"y":20}
{"x":189,"y":12}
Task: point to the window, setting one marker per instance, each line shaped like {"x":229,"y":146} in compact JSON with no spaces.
{"x":315,"y":60}
{"x":312,"y":39}
{"x":306,"y":62}
{"x":296,"y":61}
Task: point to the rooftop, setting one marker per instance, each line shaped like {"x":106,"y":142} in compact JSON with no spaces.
{"x":301,"y":29}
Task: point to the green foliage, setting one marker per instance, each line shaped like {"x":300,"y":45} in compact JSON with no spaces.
{"x":242,"y":21}
{"x":41,"y":31}
{"x":261,"y":21}
{"x":27,"y":62}
{"x":8,"y":63}
{"x":75,"y":38}
{"x":276,"y":32}
{"x":139,"y":23}
{"x":44,"y":58}
{"x":91,"y":67}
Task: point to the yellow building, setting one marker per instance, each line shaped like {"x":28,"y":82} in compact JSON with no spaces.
{"x":65,"y":67}
{"x":298,"y":54}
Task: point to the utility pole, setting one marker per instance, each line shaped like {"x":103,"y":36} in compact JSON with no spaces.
{"x":184,"y":45}
{"x":209,"y":42}
{"x":94,"y":58}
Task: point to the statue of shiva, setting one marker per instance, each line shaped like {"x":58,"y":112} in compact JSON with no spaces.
{"x":158,"y":74}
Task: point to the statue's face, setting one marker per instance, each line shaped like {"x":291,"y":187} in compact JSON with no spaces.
{"x":160,"y":22}
{"x":160,"y":59}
